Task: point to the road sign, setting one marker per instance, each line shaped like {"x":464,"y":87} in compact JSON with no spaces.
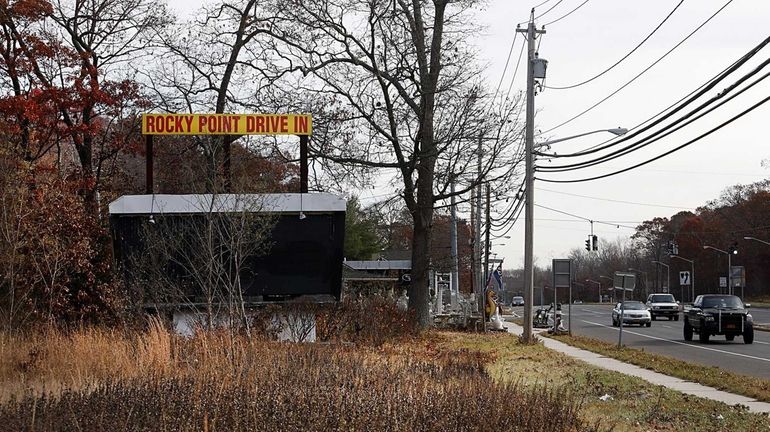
{"x":738,"y":276}
{"x":562,"y":273}
{"x":624,"y":281}
{"x":562,"y":278}
{"x":722,"y":282}
{"x":684,"y":278}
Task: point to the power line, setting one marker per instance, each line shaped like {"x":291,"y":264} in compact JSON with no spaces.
{"x":505,"y":69}
{"x":516,"y":71}
{"x":575,"y":220}
{"x":583,"y":217}
{"x":616,"y":201}
{"x":542,"y":14}
{"x":666,"y":130}
{"x":696,"y":139}
{"x":568,"y":14}
{"x":640,"y":73}
{"x":623,"y":58}
{"x":549,"y":9}
{"x":690,"y":97}
{"x":513,"y":223}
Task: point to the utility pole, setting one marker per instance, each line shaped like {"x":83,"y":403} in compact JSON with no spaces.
{"x":477,"y":242}
{"x":487,"y":244}
{"x":455,"y":287}
{"x":529,"y":188}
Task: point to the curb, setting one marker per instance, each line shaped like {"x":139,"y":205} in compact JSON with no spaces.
{"x":652,"y":377}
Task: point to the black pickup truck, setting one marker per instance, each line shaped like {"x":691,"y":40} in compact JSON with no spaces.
{"x":718,"y":314}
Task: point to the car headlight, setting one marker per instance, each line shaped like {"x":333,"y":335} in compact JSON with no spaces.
{"x":708,"y":318}
{"x":749,"y":318}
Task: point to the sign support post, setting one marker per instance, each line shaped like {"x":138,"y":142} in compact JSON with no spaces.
{"x":149,"y":187}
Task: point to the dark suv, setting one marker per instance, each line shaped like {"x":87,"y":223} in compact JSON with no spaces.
{"x":718,"y":314}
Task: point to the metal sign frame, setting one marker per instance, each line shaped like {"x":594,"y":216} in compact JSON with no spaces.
{"x":624,"y":282}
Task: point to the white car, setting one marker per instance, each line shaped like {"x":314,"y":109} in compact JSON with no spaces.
{"x":634,"y":312}
{"x":663,"y":305}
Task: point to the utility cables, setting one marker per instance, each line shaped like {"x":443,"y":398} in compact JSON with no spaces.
{"x":622,"y":59}
{"x":696,"y":139}
{"x":666,"y":130}
{"x":582,"y":113}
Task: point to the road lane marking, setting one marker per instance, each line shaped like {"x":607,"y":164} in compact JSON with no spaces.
{"x":665,"y":326}
{"x":682,"y":343}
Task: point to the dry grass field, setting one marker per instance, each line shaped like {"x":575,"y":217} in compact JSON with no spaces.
{"x":100,"y":379}
{"x":97,"y":379}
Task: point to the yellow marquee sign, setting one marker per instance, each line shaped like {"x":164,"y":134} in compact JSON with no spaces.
{"x":227,"y":124}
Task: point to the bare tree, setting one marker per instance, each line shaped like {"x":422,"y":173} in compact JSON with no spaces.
{"x":202,"y":256}
{"x":216,"y":63}
{"x":394,"y":88}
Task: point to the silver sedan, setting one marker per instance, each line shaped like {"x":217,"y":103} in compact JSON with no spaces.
{"x":634,"y":312}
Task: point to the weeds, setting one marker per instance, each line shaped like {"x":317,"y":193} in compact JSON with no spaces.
{"x":218,"y":381}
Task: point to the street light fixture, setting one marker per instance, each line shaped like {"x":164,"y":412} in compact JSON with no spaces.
{"x":692,"y":275}
{"x":618,"y":131}
{"x":612,"y":283}
{"x":599,"y":285}
{"x":729,"y":265}
{"x":529,"y":192}
{"x":668,"y":274}
{"x":756,"y":239}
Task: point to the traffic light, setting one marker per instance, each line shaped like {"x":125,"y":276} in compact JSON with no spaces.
{"x":734,"y":249}
{"x":588,"y":244}
{"x":596,"y":242}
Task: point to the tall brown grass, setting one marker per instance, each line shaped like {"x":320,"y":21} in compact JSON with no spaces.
{"x":97,"y":379}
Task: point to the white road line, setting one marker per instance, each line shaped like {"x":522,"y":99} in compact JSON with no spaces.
{"x":665,"y":326}
{"x":763,"y":343}
{"x":682,"y":343}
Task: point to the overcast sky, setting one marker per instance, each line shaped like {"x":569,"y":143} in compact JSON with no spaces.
{"x":592,"y":39}
{"x":587,"y":42}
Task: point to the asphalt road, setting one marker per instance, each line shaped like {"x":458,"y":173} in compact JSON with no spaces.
{"x":666,"y":338}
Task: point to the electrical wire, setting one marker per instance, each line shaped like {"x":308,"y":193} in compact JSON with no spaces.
{"x":627,"y":136}
{"x":513,"y":223}
{"x":623,"y":58}
{"x":505,"y":69}
{"x":694,"y":140}
{"x":616,"y":201}
{"x":566,"y":15}
{"x":505,"y":219}
{"x":511,"y":209}
{"x":542,"y":14}
{"x":584,"y":218}
{"x":516,"y":71}
{"x":658,"y":135}
{"x":549,"y":9}
{"x":640,"y":73}
{"x":691,"y":97}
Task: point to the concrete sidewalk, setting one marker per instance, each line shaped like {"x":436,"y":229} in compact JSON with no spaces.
{"x":656,"y":378}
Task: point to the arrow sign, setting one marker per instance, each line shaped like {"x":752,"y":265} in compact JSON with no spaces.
{"x":684,"y":278}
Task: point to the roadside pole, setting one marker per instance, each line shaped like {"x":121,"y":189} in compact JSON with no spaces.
{"x":529,"y":189}
{"x":620,"y":318}
{"x":624,"y":282}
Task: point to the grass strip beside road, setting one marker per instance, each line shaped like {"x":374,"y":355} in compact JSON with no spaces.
{"x":612,"y":401}
{"x":711,"y":376}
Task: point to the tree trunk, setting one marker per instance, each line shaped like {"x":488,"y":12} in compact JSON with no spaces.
{"x":419,"y":288}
